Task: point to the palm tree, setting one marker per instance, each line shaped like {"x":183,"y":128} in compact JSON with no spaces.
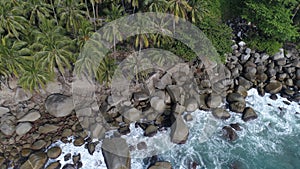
{"x":84,"y":33}
{"x":179,"y":8}
{"x":34,"y":76}
{"x":11,"y":20}
{"x":53,"y":48}
{"x":112,"y":32}
{"x":156,"y":5}
{"x":71,"y":14}
{"x":13,"y":56}
{"x":36,"y":10}
{"x":198,"y":10}
{"x":106,"y":70}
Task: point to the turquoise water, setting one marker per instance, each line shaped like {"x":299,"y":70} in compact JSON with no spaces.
{"x":272,"y":141}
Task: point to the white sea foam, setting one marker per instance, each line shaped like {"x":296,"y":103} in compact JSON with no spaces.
{"x":261,"y":137}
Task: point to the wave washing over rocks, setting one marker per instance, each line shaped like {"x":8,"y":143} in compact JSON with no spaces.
{"x":271,"y":141}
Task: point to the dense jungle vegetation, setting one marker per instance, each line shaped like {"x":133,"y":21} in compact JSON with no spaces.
{"x":41,"y":39}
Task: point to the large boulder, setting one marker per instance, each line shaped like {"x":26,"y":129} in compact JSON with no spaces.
{"x":59,"y":105}
{"x":220,"y":113}
{"x":116,"y":153}
{"x":237,"y":107}
{"x":161,"y":165}
{"x":273,"y":87}
{"x":235,"y":97}
{"x":179,"y":131}
{"x":213,"y":100}
{"x":229,"y":133}
{"x":3,"y":110}
{"x":249,"y":114}
{"x":36,"y":160}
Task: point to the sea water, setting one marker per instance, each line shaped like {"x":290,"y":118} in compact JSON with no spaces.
{"x":272,"y":141}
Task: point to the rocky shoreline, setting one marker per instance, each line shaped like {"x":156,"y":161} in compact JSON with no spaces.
{"x":32,"y":122}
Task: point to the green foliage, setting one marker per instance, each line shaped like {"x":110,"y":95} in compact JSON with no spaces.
{"x":270,"y":46}
{"x":219,"y":34}
{"x":34,"y":76}
{"x":273,"y":18}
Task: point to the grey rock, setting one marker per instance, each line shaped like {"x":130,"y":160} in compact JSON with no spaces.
{"x":59,"y":105}
{"x":38,"y":145}
{"x":248,"y":51}
{"x":21,"y":95}
{"x":245,"y":83}
{"x":132,"y":114}
{"x":98,"y":131}
{"x":140,"y":96}
{"x":279,"y":55}
{"x":241,"y":43}
{"x":273,"y":87}
{"x":7,"y":128}
{"x":213,"y":100}
{"x":54,"y":152}
{"x":191,"y":105}
{"x":237,"y":107}
{"x":242,"y":91}
{"x":176,"y":93}
{"x":164,"y":81}
{"x":235,"y":97}
{"x":23,"y":128}
{"x":3,"y":110}
{"x":229,"y":133}
{"x":150,"y":131}
{"x":179,"y":131}
{"x":48,"y":128}
{"x":220,"y":113}
{"x":262,"y":77}
{"x":249,"y":114}
{"x":84,"y":112}
{"x":36,"y":160}
{"x":281,"y":62}
{"x":161,"y":165}
{"x":30,"y":116}
{"x":116,"y":153}
{"x":158,"y":104}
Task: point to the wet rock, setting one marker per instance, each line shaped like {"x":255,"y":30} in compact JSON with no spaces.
{"x":47,"y":128}
{"x":262,"y":77}
{"x":23,"y":128}
{"x":30,"y":116}
{"x":76,"y":158}
{"x":161,"y":165}
{"x":69,"y":166}
{"x":273,"y":97}
{"x":3,"y":110}
{"x":188,"y":117}
{"x":54,"y":152}
{"x":235,"y":97}
{"x":78,"y":141}
{"x":242,"y":91}
{"x":67,"y":157}
{"x":91,"y":148}
{"x":36,"y":161}
{"x":249,"y":114}
{"x":273,"y":87}
{"x":150,"y":131}
{"x":237,"y":107}
{"x":213,"y":100}
{"x":179,"y":131}
{"x":141,"y":146}
{"x":38,"y":145}
{"x":132,"y":114}
{"x":191,"y":105}
{"x":229,"y":133}
{"x":245,"y":83}
{"x":221,"y":113}
{"x":54,"y":165}
{"x":59,"y":105}
{"x":236,"y":126}
{"x":158,"y":104}
{"x":116,"y":153}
